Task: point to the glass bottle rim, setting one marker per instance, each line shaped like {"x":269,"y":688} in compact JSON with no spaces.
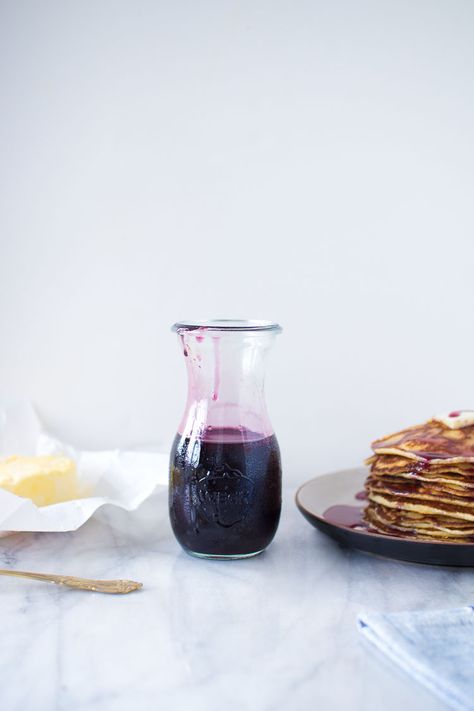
{"x":227,"y":324}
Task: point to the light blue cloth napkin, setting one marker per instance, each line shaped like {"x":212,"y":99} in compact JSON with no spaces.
{"x":436,"y":648}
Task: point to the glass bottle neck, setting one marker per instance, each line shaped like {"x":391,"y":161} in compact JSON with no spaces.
{"x":226,"y":373}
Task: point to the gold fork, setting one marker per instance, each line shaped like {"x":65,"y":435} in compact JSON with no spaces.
{"x":103,"y":586}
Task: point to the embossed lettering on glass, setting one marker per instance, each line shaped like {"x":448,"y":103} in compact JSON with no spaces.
{"x":225,"y":468}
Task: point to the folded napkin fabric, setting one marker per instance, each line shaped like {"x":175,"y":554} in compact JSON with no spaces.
{"x":436,"y":648}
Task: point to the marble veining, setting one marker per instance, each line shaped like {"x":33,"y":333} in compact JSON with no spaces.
{"x":271,"y":633}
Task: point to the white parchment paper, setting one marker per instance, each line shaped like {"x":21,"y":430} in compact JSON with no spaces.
{"x":117,"y":477}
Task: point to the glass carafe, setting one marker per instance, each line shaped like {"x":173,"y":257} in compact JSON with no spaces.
{"x":225,"y":468}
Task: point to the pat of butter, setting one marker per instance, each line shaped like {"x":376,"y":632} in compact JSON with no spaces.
{"x":44,"y":480}
{"x":457,"y":419}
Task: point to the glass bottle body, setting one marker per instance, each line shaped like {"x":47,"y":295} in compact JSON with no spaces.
{"x":225,"y":468}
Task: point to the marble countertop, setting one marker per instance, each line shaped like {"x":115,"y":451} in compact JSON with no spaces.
{"x":274,"y":632}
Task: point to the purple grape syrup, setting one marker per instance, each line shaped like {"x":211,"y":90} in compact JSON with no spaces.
{"x":225,"y":491}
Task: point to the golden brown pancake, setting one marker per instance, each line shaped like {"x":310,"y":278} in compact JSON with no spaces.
{"x":394,"y":464}
{"x":419,"y":488}
{"x":439,"y":528}
{"x":425,"y":505}
{"x":431,"y":440}
{"x":411,"y":519}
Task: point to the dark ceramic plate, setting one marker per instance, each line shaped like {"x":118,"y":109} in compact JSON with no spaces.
{"x":339,"y":489}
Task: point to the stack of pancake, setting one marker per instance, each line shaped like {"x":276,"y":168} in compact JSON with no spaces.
{"x":421,"y":481}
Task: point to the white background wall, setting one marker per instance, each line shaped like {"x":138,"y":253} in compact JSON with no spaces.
{"x":310,"y":162}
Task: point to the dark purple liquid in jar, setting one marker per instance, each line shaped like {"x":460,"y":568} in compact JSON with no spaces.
{"x":225,"y":491}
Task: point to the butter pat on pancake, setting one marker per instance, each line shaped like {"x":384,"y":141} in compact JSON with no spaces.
{"x":457,"y":419}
